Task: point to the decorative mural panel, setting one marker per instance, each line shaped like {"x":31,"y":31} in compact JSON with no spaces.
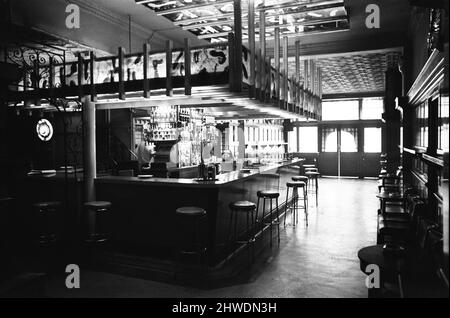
{"x":106,"y":70}
{"x":209,"y":60}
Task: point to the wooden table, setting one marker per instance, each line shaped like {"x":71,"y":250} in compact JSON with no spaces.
{"x":389,"y":197}
{"x":391,"y":265}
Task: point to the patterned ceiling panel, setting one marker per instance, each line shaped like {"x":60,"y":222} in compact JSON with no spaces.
{"x":213,"y":19}
{"x":353,"y":73}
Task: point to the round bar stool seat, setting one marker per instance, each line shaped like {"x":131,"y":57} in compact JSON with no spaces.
{"x":190,"y":211}
{"x":243,"y":206}
{"x":268,"y":194}
{"x":98,"y":204}
{"x":295,"y":184}
{"x":311,"y":170}
{"x":300,"y":178}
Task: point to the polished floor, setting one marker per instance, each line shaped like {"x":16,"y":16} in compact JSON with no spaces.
{"x":315,"y":261}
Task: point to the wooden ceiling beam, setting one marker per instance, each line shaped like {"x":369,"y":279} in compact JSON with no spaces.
{"x":193,"y":6}
{"x":230,"y":20}
{"x":244,"y":11}
{"x":303,"y":5}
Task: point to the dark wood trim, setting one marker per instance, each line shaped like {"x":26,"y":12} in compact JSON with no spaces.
{"x":431,"y":75}
{"x":121,"y":79}
{"x":433,"y":160}
{"x":92,"y":82}
{"x":410,"y":151}
{"x":419,"y":177}
{"x":352,"y":95}
{"x":187,"y":67}
{"x":169,"y":84}
{"x":146,"y":82}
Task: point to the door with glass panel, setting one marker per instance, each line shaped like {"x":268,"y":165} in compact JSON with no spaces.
{"x":340,"y":155}
{"x":348,"y":155}
{"x":372,"y":151}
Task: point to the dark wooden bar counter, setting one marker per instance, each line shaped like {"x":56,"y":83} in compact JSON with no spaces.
{"x":144,"y":209}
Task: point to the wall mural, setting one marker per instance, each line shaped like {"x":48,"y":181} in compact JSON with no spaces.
{"x":206,"y":60}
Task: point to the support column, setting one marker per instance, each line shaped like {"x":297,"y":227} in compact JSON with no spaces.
{"x":251,"y":47}
{"x":262,"y":60}
{"x":285,"y":74}
{"x":89,"y":145}
{"x":297,"y":77}
{"x":238,"y":43}
{"x":392,"y":117}
{"x":277,"y":63}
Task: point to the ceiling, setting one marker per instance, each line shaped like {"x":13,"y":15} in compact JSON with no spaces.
{"x":362,"y":72}
{"x":214,"y":19}
{"x":358,"y":73}
{"x":352,"y":61}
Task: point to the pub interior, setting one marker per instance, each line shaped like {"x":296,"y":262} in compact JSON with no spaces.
{"x":224,"y":148}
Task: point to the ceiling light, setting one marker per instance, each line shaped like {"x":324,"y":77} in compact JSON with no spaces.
{"x":333,"y":13}
{"x":314,"y":14}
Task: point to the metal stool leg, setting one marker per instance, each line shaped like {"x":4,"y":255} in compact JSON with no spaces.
{"x":271,"y":222}
{"x":278,"y":220}
{"x":286,"y":206}
{"x":230,"y":229}
{"x":305,"y":205}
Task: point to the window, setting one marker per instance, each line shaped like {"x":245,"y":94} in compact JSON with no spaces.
{"x":349,"y":140}
{"x":372,"y":139}
{"x":292,"y":140}
{"x":308,"y":139}
{"x":443,"y":133}
{"x":422,"y":125}
{"x":329,"y":140}
{"x":340,"y":110}
{"x":372,"y":108}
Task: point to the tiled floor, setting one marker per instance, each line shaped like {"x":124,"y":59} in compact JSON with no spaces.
{"x":317,"y":261}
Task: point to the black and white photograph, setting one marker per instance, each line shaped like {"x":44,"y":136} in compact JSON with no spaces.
{"x":224,"y":156}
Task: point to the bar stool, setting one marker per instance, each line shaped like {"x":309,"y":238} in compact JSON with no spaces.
{"x":46,"y":217}
{"x":302,"y":179}
{"x":46,"y":239}
{"x":295,"y":198}
{"x":306,"y":166}
{"x":269,"y":195}
{"x":189,"y":224}
{"x":97,"y":217}
{"x":97,"y":228}
{"x":313,"y":177}
{"x":248,"y":208}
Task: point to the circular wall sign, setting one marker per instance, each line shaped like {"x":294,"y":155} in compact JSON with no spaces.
{"x":44,"y":130}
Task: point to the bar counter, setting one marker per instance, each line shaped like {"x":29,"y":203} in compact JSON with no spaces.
{"x":143,"y":210}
